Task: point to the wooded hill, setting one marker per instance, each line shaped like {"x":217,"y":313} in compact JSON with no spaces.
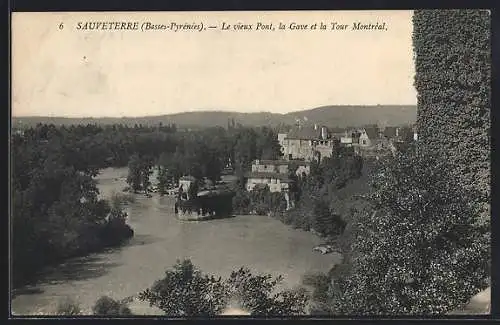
{"x":333,"y":116}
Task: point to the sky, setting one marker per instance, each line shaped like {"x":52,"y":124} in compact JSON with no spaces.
{"x":76,"y":73}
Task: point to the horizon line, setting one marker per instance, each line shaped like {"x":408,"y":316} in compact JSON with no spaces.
{"x":208,"y":111}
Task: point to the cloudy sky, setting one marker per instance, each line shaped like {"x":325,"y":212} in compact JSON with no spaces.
{"x":77,"y":73}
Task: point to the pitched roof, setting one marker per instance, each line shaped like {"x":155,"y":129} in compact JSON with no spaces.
{"x":337,"y":130}
{"x":272,"y":162}
{"x":372,"y":132}
{"x":337,"y":134}
{"x":296,"y":162}
{"x":293,"y":162}
{"x":281,"y":177}
{"x":304,"y":133}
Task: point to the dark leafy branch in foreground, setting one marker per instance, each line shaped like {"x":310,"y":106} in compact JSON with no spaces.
{"x":186,"y":291}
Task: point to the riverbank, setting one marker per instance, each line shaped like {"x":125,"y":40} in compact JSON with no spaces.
{"x":262,"y":243}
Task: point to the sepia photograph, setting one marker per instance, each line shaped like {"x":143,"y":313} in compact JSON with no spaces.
{"x":265,"y":164}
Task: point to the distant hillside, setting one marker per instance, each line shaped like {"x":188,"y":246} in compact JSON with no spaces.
{"x":340,"y":116}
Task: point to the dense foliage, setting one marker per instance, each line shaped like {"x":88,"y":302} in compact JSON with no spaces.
{"x":259,"y":201}
{"x":421,"y":244}
{"x":106,"y":306}
{"x":56,"y":211}
{"x":186,"y":291}
{"x":68,"y":307}
{"x":453,"y":75}
{"x":317,"y":203}
{"x":140,"y":171}
{"x":419,"y":249}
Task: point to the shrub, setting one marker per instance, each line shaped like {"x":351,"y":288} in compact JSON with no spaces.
{"x":256,"y":293}
{"x":106,"y":306}
{"x":186,"y":291}
{"x":117,"y":199}
{"x":68,"y":307}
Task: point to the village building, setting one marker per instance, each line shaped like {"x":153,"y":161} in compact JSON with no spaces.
{"x":277,"y":182}
{"x":270,"y":166}
{"x":346,"y":139}
{"x":307,"y":143}
{"x":275,"y":173}
{"x":369,"y":136}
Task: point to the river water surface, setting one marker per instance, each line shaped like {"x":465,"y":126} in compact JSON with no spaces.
{"x":219,"y":246}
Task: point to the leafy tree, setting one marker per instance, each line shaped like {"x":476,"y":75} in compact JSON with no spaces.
{"x":320,"y":298}
{"x":267,"y":145}
{"x":106,"y":306}
{"x":134,"y":178}
{"x":186,"y":291}
{"x":162,"y":180}
{"x":56,"y":210}
{"x":453,"y":80}
{"x":245,"y":147}
{"x":146,"y":171}
{"x":68,"y":307}
{"x":241,"y":202}
{"x":257,"y":294}
{"x":421,"y":250}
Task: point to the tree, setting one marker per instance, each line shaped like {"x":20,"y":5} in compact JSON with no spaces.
{"x":421,"y":250}
{"x":146,"y":170}
{"x":134,"y":178}
{"x":68,"y":307}
{"x":453,"y":73}
{"x":162,"y":179}
{"x":186,"y":291}
{"x":245,"y":147}
{"x":257,"y":294}
{"x":267,"y":145}
{"x":106,"y":306}
{"x":56,"y":210}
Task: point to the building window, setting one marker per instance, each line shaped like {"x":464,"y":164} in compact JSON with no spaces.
{"x":364,"y":141}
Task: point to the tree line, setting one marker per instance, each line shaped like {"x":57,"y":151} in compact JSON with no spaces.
{"x":56,"y":212}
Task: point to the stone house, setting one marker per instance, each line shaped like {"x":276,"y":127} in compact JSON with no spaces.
{"x":275,"y":173}
{"x":271,"y":173}
{"x":277,"y":182}
{"x":369,"y":136}
{"x":270,"y":166}
{"x":307,"y":143}
{"x":346,"y":139}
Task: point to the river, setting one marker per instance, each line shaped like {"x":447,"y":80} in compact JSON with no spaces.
{"x":263,"y":244}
